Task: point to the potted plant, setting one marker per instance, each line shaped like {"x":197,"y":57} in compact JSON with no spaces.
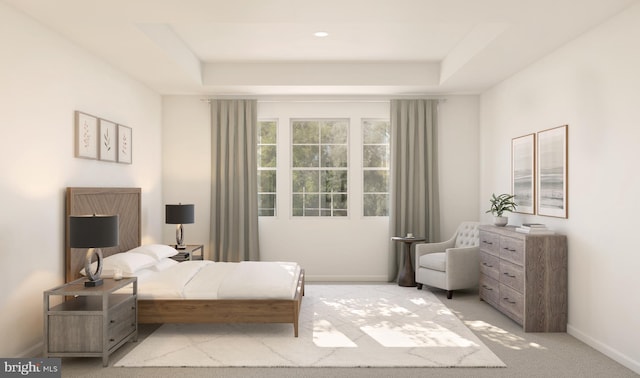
{"x":500,"y":204}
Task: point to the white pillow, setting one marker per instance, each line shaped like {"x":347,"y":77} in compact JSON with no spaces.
{"x":157,"y":251}
{"x":129,"y":263}
{"x":164,"y":264}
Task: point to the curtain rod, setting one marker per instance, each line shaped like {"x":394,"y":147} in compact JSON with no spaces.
{"x":324,"y":100}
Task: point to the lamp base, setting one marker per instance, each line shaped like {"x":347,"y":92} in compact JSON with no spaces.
{"x":181,"y":246}
{"x":95,"y":283}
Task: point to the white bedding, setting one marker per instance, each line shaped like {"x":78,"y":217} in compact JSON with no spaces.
{"x":219,"y":280}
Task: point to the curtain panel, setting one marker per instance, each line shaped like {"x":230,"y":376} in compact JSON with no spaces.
{"x":414,"y":206}
{"x":234,"y":189}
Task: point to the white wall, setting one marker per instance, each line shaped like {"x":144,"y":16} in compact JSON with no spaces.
{"x":330,"y":249}
{"x":43,"y":79}
{"x":591,"y":84}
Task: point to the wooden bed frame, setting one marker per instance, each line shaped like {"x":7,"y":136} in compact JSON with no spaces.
{"x":126,"y":202}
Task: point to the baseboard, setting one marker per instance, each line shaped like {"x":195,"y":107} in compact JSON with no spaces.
{"x":332,"y":278}
{"x":620,"y":358}
{"x":33,"y":352}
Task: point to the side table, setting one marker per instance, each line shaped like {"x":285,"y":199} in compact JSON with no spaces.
{"x":188,"y":253}
{"x":93,"y":321}
{"x":406,"y":274}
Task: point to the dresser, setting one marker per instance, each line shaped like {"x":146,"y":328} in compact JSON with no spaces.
{"x":90,"y":321}
{"x":525,"y":277}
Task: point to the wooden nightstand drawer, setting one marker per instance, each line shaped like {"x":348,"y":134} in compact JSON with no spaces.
{"x":512,"y":250}
{"x":512,"y":275}
{"x":490,"y":265}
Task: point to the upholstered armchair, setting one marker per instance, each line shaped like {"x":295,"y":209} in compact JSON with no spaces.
{"x":450,"y":265}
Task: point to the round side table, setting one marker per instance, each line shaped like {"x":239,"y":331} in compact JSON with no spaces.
{"x":406,"y":274}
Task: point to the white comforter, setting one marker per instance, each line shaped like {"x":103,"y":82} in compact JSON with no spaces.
{"x":216,"y":280}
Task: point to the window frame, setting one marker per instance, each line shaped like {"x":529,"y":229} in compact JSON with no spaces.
{"x":365,"y":169}
{"x":274,"y":169}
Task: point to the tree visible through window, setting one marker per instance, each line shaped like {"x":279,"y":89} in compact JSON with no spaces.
{"x":319,"y":150}
{"x":267,"y":158}
{"x":375,"y":167}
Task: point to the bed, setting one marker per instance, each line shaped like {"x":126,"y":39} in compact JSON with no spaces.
{"x":126,"y":202}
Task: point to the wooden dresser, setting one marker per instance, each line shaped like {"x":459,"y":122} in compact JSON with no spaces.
{"x":525,"y":277}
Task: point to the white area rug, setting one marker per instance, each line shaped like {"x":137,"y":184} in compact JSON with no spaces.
{"x":340,"y":326}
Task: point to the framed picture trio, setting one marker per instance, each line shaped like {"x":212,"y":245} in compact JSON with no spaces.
{"x":101,"y":139}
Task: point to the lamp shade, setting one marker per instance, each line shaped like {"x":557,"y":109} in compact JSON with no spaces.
{"x":179,"y":214}
{"x":93,"y":231}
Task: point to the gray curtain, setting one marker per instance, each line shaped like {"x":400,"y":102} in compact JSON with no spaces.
{"x":414,"y":187}
{"x":234,"y":190}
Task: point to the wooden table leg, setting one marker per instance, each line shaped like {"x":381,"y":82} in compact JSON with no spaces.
{"x":406,"y":275}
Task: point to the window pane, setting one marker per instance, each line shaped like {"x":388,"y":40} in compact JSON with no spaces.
{"x":375,"y":156}
{"x":266,"y":204}
{"x":333,"y":181}
{"x":305,"y":156}
{"x":305,"y":181}
{"x":267,"y":156}
{"x":334,"y":156}
{"x":375,"y":132}
{"x":376,"y":205}
{"x":376,"y":181}
{"x":335,"y":132}
{"x":267,"y":132}
{"x":267,"y":181}
{"x":305,"y":132}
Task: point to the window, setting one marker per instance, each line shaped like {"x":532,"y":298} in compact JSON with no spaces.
{"x":319,"y":160}
{"x":267,"y":158}
{"x":375,"y":167}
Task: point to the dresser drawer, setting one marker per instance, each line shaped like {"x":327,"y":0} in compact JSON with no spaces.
{"x":512,"y":303}
{"x":512,"y":275}
{"x":512,"y":250}
{"x":489,"y":243}
{"x":489,"y":290}
{"x":490,"y":265}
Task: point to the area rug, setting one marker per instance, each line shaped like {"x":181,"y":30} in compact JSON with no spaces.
{"x":340,"y":326}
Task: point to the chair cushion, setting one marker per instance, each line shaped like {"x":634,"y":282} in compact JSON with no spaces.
{"x":433,"y":261}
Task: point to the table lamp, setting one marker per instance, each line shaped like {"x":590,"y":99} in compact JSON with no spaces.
{"x":179,"y":214}
{"x":93,"y":232}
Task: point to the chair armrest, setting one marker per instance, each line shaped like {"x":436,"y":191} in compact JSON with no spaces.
{"x":424,"y":248}
{"x":463,"y":261}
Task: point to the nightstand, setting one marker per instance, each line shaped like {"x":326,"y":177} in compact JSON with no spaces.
{"x":189,"y":253}
{"x":92,"y":321}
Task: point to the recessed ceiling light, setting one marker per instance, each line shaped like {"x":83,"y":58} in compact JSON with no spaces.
{"x":321,"y":34}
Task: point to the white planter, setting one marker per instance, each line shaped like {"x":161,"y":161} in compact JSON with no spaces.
{"x":500,"y":221}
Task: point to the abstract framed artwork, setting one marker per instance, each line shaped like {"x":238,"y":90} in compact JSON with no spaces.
{"x":125,"y":146}
{"x":86,"y":138}
{"x":523,"y":173}
{"x":552,"y":172}
{"x":108,"y":140}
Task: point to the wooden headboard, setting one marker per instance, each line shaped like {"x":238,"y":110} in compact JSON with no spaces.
{"x":125,"y":202}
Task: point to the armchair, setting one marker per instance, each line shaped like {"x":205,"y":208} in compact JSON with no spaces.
{"x":452,"y":264}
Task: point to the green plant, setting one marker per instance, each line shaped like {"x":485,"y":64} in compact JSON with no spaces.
{"x":500,"y":204}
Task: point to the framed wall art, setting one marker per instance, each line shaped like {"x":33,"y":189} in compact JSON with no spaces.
{"x":552,"y":172}
{"x":125,"y":146}
{"x":108,"y":140}
{"x":86,"y":138}
{"x":523,"y":173}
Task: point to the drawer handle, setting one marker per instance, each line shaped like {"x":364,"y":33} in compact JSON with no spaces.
{"x":486,"y":242}
{"x":112,"y":340}
{"x":510,"y":250}
{"x":509,"y":275}
{"x":507,"y":299}
{"x":485,"y":264}
{"x":112,"y":321}
{"x":487,"y":287}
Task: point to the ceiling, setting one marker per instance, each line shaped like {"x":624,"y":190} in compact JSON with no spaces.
{"x":267,"y":47}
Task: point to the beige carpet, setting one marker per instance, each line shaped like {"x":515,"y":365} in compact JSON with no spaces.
{"x":340,"y":326}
